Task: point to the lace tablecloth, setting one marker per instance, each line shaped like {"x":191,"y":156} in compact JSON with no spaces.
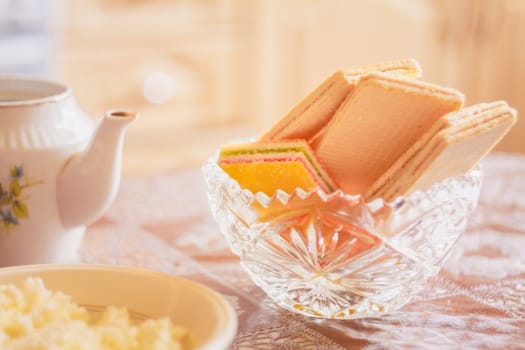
{"x":162,"y":222}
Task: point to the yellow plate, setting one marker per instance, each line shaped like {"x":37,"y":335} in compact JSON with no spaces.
{"x":210,"y":319}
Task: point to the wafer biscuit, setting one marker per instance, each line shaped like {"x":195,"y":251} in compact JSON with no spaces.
{"x":376,"y":124}
{"x":271,"y":166}
{"x":462,"y":118}
{"x":453,"y":151}
{"x":311,"y":114}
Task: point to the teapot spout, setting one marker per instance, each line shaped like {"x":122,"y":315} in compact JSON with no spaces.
{"x":89,"y":182}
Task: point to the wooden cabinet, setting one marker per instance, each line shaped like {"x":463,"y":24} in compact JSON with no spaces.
{"x":202,"y":72}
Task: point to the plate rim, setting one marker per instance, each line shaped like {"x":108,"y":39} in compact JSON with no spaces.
{"x":222,"y":340}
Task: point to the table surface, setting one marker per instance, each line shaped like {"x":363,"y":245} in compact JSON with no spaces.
{"x":162,"y":222}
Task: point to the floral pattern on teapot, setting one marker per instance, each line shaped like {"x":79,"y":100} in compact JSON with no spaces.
{"x":12,"y":198}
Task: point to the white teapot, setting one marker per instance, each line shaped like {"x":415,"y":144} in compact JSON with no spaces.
{"x":58,"y":170}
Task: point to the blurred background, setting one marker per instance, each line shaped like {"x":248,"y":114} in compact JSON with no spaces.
{"x":202,"y":72}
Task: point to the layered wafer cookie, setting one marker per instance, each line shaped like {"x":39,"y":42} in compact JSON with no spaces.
{"x":453,"y":150}
{"x":376,"y":124}
{"x":316,"y":109}
{"x":267,"y":167}
{"x":464,"y":117}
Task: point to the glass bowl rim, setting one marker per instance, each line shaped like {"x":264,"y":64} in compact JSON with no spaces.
{"x":211,"y":164}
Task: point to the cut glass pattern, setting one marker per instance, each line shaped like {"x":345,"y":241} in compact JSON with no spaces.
{"x":333,"y":256}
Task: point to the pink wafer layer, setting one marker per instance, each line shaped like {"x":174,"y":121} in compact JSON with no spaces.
{"x":292,"y":151}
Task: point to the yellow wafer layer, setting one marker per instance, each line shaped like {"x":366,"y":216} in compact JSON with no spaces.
{"x":267,"y":167}
{"x":268,"y":177}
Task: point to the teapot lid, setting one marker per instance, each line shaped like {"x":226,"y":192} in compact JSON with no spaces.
{"x":38,"y":114}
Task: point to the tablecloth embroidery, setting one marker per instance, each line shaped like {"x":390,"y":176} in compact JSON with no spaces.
{"x":162,"y":222}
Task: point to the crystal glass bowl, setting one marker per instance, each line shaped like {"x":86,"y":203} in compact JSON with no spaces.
{"x":334,"y":256}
